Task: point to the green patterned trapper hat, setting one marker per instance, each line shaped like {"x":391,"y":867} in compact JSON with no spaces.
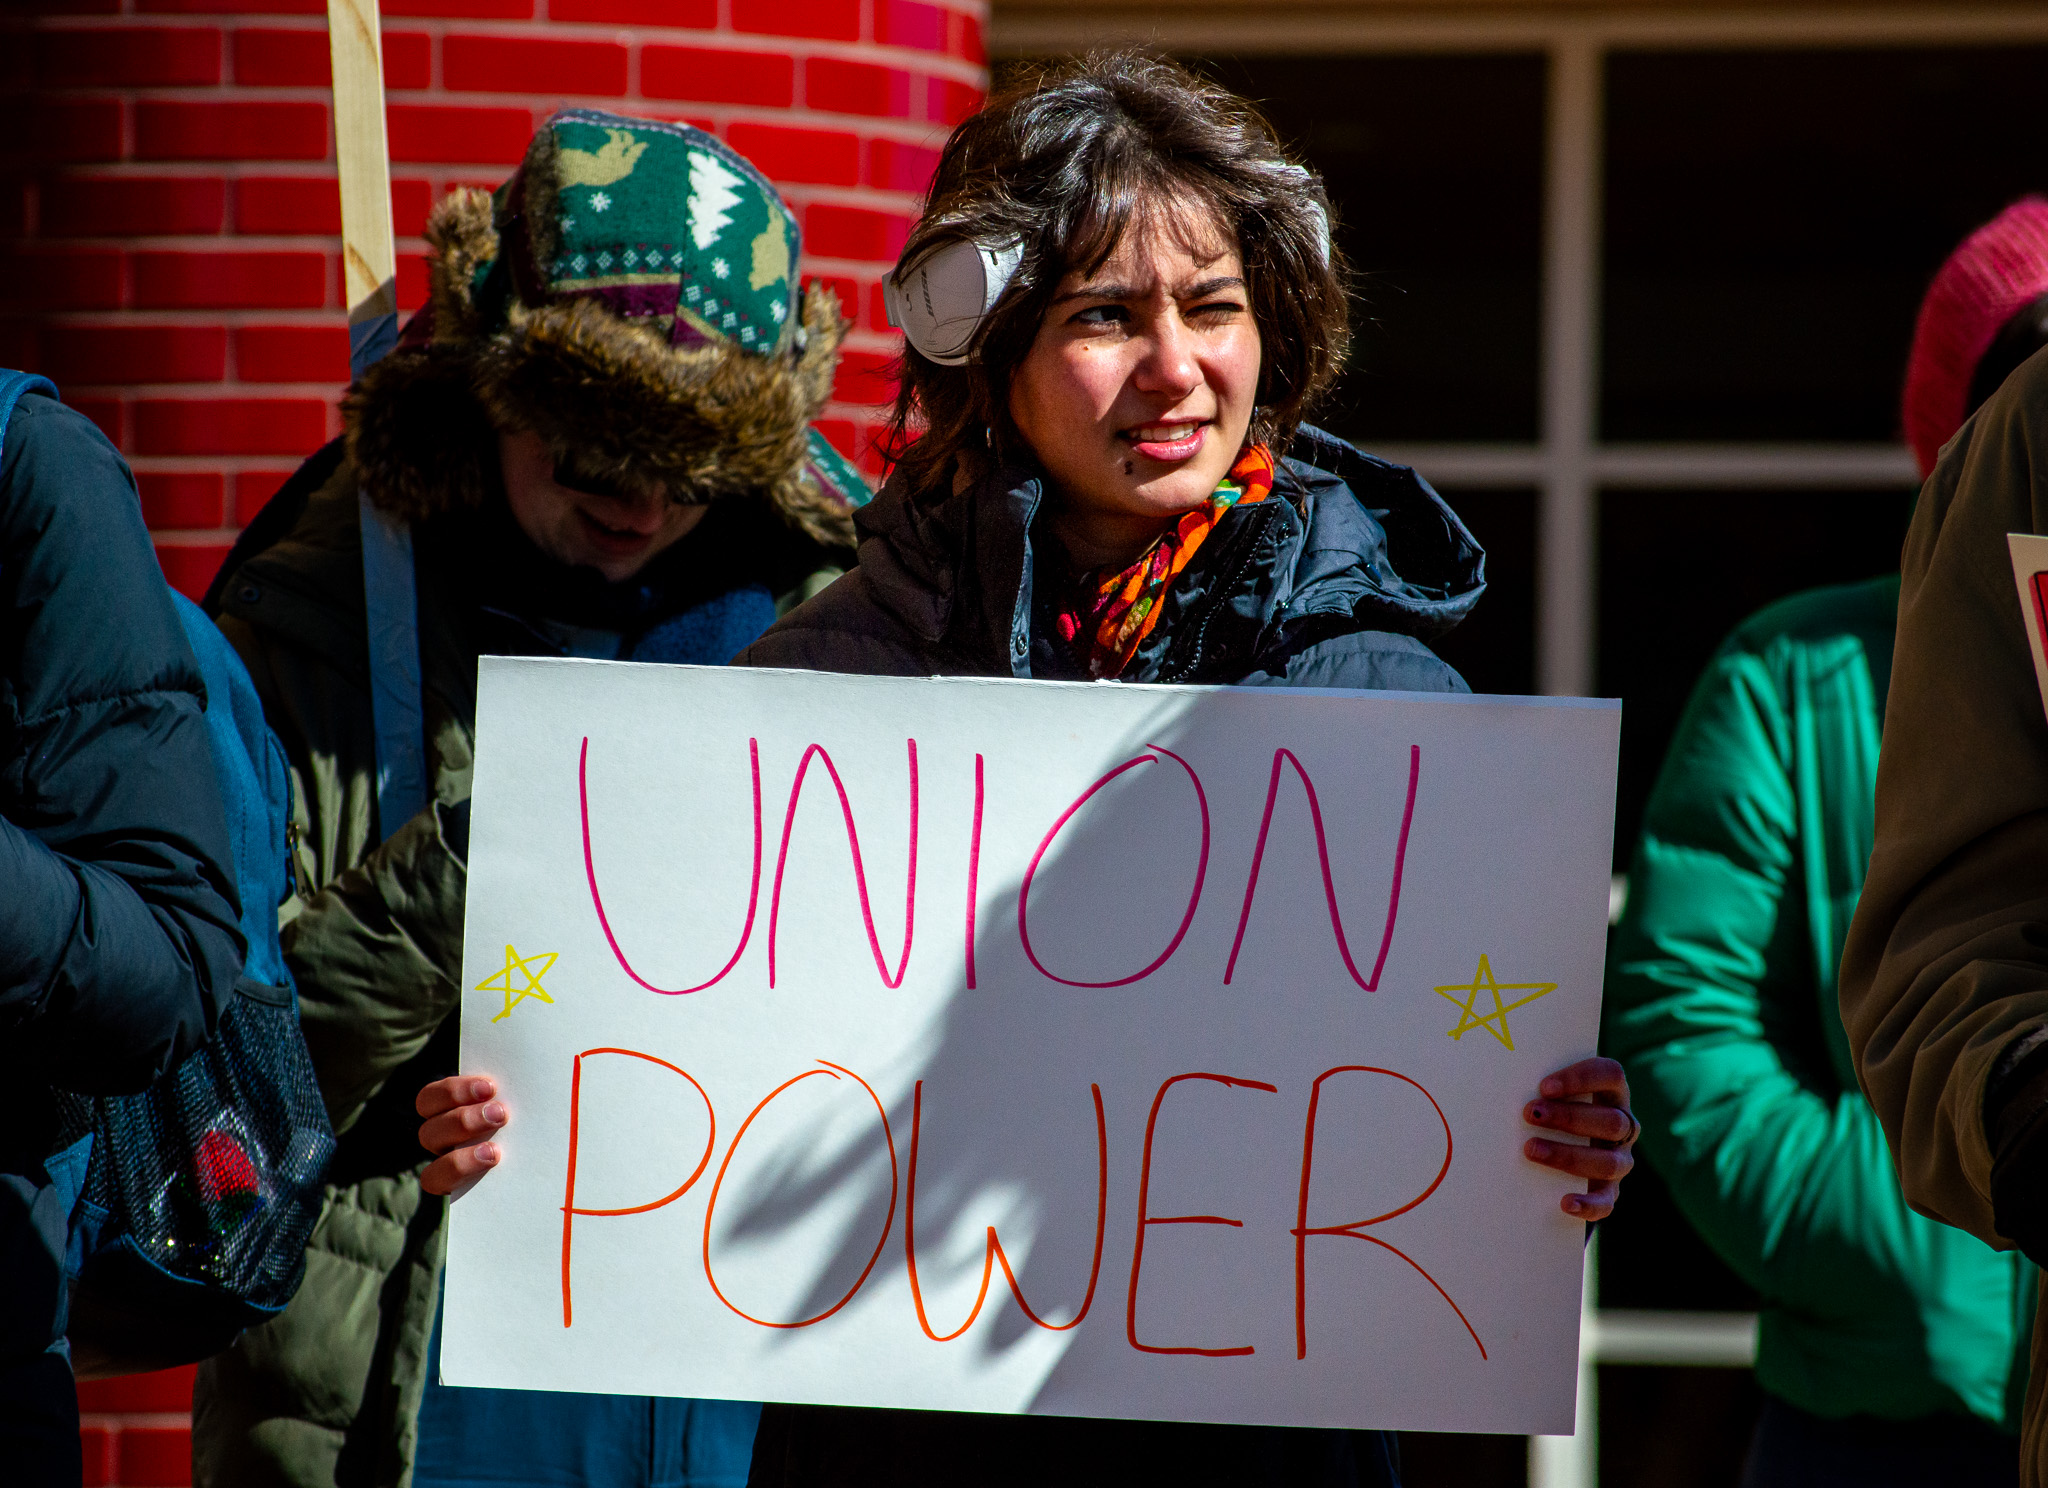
{"x":631,"y":296}
{"x":660,"y":223}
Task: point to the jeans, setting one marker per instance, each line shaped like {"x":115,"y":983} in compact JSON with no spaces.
{"x":543,"y":1439}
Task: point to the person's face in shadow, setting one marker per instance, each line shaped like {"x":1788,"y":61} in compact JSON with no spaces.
{"x":1139,"y":389}
{"x":618,"y":532}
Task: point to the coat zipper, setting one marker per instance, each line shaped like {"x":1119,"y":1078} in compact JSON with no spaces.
{"x":1223,"y":594}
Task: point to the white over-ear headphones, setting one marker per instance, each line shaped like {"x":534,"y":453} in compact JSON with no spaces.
{"x":940,"y":302}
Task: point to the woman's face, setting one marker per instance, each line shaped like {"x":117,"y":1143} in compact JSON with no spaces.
{"x":1139,"y":389}
{"x":617,"y":534}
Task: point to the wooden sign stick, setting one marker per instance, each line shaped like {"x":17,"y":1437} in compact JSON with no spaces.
{"x":369,"y":268}
{"x":369,"y":257}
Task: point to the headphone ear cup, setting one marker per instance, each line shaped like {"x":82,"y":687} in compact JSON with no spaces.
{"x":940,"y":301}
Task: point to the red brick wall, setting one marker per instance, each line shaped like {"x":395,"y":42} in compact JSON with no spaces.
{"x":137,"y":1431}
{"x":173,"y":217}
{"x":170,"y":219}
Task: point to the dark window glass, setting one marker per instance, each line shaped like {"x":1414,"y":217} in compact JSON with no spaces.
{"x":1495,"y":650}
{"x":1435,"y":166}
{"x":1650,"y":1258}
{"x":1773,"y":218}
{"x":1680,"y":569}
{"x":1433,"y":1459}
{"x":1674,"y":1428}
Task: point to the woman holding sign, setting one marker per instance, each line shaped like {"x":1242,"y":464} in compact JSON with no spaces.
{"x":1120,"y":300}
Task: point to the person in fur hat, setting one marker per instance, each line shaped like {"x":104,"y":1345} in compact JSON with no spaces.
{"x":595,"y":442}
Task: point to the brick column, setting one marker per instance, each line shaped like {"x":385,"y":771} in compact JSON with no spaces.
{"x":170,"y":221}
{"x":137,"y":1431}
{"x":170,"y":201}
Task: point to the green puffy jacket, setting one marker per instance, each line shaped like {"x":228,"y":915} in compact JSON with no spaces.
{"x":1721,"y":1002}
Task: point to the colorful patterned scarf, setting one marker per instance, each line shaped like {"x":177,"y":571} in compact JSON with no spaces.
{"x":1110,"y":614}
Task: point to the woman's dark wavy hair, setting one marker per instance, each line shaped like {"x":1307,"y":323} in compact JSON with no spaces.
{"x":1066,"y":161}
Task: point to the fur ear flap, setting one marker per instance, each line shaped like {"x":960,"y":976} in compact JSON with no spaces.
{"x":803,"y":502}
{"x":417,"y":435}
{"x":824,"y":327}
{"x":812,"y":510}
{"x":463,"y":238}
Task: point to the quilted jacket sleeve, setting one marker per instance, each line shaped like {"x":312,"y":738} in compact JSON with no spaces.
{"x":118,"y":914}
{"x":1946,"y":967}
{"x":1709,"y":991}
{"x":378,"y":952}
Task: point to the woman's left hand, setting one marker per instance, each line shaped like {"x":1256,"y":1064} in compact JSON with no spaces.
{"x":1605,"y":1120}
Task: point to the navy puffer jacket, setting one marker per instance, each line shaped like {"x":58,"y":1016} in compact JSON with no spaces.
{"x":1337,"y":579}
{"x":118,"y":915}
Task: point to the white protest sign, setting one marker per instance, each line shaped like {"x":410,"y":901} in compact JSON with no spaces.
{"x":1009,"y":1046}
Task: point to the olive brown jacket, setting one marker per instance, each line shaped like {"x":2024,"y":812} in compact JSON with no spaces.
{"x":1944,"y":978}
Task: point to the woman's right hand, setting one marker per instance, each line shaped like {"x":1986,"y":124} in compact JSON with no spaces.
{"x":459,"y":1116}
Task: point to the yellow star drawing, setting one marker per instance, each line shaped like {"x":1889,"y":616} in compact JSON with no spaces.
{"x":531,"y":968}
{"x":1467,"y":994}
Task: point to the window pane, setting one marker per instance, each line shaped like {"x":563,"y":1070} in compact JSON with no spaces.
{"x":1680,"y":569}
{"x":1773,"y":218}
{"x":1435,"y":167}
{"x":1676,"y":1428}
{"x":1495,"y":649}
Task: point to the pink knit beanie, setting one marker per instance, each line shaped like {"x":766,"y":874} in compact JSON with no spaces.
{"x":1999,"y":268}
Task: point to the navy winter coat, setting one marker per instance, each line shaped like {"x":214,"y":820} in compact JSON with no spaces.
{"x":1334,"y":580}
{"x":118,"y":913}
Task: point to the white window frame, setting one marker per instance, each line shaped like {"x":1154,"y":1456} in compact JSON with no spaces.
{"x":1568,"y":465}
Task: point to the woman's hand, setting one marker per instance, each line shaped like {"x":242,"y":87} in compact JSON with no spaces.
{"x":1606,"y":1119}
{"x":459,"y":1117}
